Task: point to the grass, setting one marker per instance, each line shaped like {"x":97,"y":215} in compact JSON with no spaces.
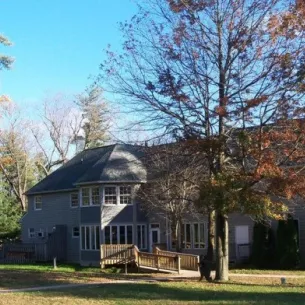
{"x":190,"y":292}
{"x":259,"y":271}
{"x":238,"y":291}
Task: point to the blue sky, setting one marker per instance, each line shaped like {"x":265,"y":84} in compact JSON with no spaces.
{"x":58,"y":44}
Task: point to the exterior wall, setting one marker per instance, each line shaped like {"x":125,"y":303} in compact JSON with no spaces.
{"x":55,"y":210}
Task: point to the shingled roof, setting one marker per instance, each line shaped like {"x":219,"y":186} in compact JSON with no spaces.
{"x":108,"y":164}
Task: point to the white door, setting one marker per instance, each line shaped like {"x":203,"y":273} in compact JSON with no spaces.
{"x":242,"y":242}
{"x":154,"y":235}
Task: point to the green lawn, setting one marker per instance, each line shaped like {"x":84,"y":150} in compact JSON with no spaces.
{"x":165,"y":293}
{"x":258,"y":271}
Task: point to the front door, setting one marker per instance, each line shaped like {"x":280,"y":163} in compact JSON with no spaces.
{"x":154,"y":235}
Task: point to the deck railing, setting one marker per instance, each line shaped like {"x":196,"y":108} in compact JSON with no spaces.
{"x":116,"y":254}
{"x":157,"y":261}
{"x":187,"y":261}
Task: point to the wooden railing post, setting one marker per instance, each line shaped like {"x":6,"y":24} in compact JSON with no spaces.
{"x":179,"y":264}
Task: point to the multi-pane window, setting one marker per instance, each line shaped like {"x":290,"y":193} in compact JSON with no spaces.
{"x":125,"y":195}
{"x":31,"y":233}
{"x":193,"y":236}
{"x":110,"y":196}
{"x":141,"y":236}
{"x":37,"y":203}
{"x":118,"y":234}
{"x":75,"y":232}
{"x":95,"y":195}
{"x":114,"y":195}
{"x":74,"y":200}
{"x":90,"y":237}
{"x":85,"y":196}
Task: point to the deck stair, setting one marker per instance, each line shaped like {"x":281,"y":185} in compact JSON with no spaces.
{"x":158,"y":260}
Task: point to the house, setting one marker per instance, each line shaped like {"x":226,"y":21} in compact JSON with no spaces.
{"x":91,"y":200}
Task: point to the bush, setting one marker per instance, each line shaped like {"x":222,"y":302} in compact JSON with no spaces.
{"x":287,"y":248}
{"x":263,"y":247}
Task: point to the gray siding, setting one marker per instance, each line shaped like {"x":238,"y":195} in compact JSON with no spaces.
{"x":55,"y":211}
{"x":90,"y":258}
{"x":90,"y":215}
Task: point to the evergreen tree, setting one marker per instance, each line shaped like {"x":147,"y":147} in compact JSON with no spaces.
{"x":95,"y":114}
{"x":10,"y":212}
{"x":287,"y":248}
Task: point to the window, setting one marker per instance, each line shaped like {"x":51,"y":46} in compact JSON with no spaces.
{"x":95,"y":196}
{"x":193,"y":236}
{"x":75,"y":232}
{"x":31,"y":233}
{"x":40,"y":233}
{"x":118,"y":234}
{"x":114,"y":195}
{"x":37,"y":203}
{"x":125,"y":195}
{"x":85,"y":196}
{"x":110,"y":195}
{"x":141,"y":236}
{"x":74,"y":200}
{"x":90,"y":237}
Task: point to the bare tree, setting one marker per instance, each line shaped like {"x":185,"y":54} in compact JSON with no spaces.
{"x":173,"y":187}
{"x":55,"y":134}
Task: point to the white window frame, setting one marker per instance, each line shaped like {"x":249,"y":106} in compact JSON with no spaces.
{"x":118,"y":195}
{"x":118,"y":232}
{"x":141,"y":247}
{"x":129,"y":196}
{"x":36,"y":201}
{"x":74,"y":206}
{"x":96,"y":246}
{"x":73,"y":235}
{"x":31,"y":234}
{"x":90,"y":196}
{"x":192,"y":235}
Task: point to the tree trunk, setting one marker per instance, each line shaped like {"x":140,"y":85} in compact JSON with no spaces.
{"x":222,"y":247}
{"x":211,"y":236}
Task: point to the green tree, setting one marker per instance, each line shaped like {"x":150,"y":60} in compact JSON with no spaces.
{"x":10,"y":212}
{"x":95,"y":117}
{"x":287,"y":247}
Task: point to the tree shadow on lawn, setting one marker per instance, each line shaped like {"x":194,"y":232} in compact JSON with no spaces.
{"x":12,"y":279}
{"x":207,"y":292}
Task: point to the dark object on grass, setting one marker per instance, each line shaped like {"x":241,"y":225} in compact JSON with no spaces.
{"x":205,"y":268}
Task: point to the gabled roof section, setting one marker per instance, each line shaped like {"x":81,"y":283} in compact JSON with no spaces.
{"x":113,"y":163}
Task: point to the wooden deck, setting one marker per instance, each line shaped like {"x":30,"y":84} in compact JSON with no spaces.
{"x":159,"y":260}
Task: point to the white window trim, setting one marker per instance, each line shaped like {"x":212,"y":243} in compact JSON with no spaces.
{"x":118,"y":232}
{"x":145,"y":236}
{"x":192,"y":241}
{"x":29,"y":233}
{"x":90,"y":197}
{"x":78,"y":202}
{"x":35,"y":208}
{"x":90,"y":239}
{"x":117,"y":191}
{"x":78,"y":232}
